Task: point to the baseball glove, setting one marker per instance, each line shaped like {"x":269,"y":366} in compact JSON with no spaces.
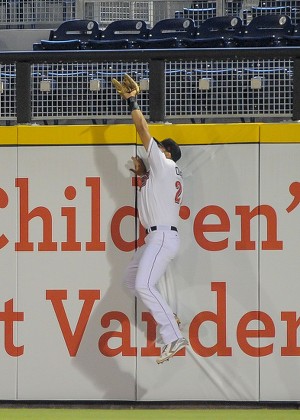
{"x":128,"y":85}
{"x":139,"y":166}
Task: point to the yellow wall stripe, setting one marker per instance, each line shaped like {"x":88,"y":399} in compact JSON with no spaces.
{"x":8,"y":135}
{"x":126,"y":134}
{"x":280,"y":133}
{"x":76,"y":134}
{"x":207,"y":133}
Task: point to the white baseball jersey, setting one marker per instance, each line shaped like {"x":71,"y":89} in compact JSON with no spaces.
{"x":160,"y":195}
{"x":159,"y":201}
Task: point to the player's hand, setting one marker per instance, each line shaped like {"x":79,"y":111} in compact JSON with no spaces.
{"x":127,"y":88}
{"x":139,"y":166}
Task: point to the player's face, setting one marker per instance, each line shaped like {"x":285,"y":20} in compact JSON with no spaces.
{"x":164,"y":151}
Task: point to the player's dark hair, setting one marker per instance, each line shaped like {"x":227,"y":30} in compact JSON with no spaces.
{"x":171,"y":146}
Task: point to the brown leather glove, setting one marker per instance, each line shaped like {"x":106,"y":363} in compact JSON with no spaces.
{"x":127,"y":86}
{"x":139,"y":166}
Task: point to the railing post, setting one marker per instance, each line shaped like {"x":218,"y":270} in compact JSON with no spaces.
{"x":296,"y":90}
{"x":79,"y":9}
{"x":157,"y":90}
{"x":23,"y":92}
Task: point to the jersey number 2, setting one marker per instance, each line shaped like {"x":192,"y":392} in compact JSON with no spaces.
{"x":178,"y":193}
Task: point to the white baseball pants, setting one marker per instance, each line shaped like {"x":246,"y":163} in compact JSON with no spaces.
{"x":146,"y":268}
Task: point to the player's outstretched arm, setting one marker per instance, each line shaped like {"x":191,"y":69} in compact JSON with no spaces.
{"x":141,"y":125}
{"x":129,"y":90}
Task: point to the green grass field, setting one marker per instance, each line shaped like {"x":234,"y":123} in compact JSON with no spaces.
{"x":144,"y":414}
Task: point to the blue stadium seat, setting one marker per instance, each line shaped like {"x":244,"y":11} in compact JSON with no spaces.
{"x":167,"y":33}
{"x":217,"y":32}
{"x":120,"y":34}
{"x":265,"y":31}
{"x":72,"y":34}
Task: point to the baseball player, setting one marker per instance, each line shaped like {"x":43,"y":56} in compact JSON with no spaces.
{"x":159,"y":198}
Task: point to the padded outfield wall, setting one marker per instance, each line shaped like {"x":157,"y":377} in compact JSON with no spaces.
{"x":69,"y":330}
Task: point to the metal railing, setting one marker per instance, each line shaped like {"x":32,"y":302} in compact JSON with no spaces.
{"x":51,"y":13}
{"x":150,"y":11}
{"x":155,"y":10}
{"x":35,"y":13}
{"x":176,"y":84}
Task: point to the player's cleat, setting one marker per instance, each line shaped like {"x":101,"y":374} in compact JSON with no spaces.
{"x":169,"y":350}
{"x":177,"y":320}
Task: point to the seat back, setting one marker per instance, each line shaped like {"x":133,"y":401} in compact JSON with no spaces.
{"x":130,"y":29}
{"x":269,"y":25}
{"x":82,"y":29}
{"x":70,"y":35}
{"x":173,"y":28}
{"x":220,"y":27}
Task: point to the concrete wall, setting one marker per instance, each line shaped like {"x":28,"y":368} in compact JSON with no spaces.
{"x":21,"y":39}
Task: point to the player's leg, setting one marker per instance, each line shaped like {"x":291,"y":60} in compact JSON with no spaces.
{"x":129,"y":276}
{"x":161,"y":247}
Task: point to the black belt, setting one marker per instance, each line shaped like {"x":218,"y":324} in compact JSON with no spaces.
{"x":153,"y":228}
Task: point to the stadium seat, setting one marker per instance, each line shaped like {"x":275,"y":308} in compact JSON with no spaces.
{"x":167,"y":33}
{"x":72,"y":34}
{"x":216,"y":32}
{"x":120,"y":34}
{"x":264,"y":31}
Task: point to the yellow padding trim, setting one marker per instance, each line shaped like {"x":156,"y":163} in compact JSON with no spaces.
{"x":207,"y":133}
{"x":8,"y":135}
{"x":77,"y":134}
{"x":126,"y":134}
{"x":280,"y":133}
